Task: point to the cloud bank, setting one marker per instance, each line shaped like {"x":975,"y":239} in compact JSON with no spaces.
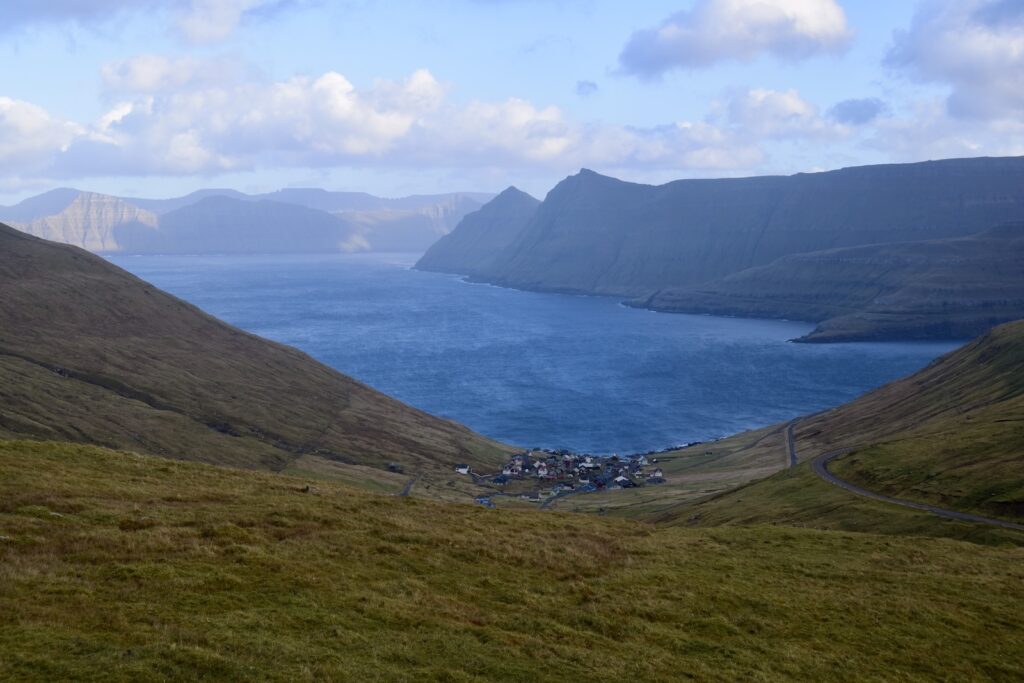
{"x":737,"y":30}
{"x":175,"y":116}
{"x":976,"y":47}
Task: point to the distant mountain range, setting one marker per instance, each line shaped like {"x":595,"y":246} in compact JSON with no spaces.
{"x":721,"y":246}
{"x":231,"y":222}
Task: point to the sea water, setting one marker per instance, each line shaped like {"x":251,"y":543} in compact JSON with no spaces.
{"x":532,"y":369}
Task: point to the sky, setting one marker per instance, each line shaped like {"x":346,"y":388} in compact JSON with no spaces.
{"x":157,"y":98}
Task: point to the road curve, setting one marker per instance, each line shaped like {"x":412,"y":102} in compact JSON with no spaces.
{"x":820,"y":467}
{"x":408,"y":487}
{"x":791,"y":443}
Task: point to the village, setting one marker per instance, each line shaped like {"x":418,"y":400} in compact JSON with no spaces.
{"x":541,"y":475}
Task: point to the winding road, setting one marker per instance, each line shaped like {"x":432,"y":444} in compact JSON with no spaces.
{"x":820,"y":467}
{"x":791,"y":443}
{"x":408,"y":487}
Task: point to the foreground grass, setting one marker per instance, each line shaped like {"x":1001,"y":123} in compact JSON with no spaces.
{"x":124,"y":567}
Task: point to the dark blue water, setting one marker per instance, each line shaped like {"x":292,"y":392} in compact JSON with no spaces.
{"x":544,"y":370}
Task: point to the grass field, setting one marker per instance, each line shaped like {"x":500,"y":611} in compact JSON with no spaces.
{"x":117,"y":566}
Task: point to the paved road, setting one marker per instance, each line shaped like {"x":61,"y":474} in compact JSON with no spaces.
{"x":791,"y":443}
{"x":408,"y":487}
{"x":820,"y":467}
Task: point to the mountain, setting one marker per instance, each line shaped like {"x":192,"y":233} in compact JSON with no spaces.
{"x":598,"y":235}
{"x":949,"y":435}
{"x":478,"y":240}
{"x":46,"y":204}
{"x":286,"y":221}
{"x":343,"y":202}
{"x":224,"y":225}
{"x":162,"y":206}
{"x":414,"y":228}
{"x":91,"y":354}
{"x":91,"y":221}
{"x":953,"y":289}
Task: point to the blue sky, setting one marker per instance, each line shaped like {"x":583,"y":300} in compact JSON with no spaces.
{"x":160,"y":97}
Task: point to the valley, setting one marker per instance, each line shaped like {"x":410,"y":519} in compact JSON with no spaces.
{"x":526,"y":342}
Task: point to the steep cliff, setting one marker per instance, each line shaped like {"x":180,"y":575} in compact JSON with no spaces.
{"x":91,"y":221}
{"x":478,"y":240}
{"x":413,"y":228}
{"x":598,"y":235}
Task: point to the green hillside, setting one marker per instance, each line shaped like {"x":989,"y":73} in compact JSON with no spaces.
{"x":951,"y":436}
{"x":117,"y":566}
{"x":91,"y":354}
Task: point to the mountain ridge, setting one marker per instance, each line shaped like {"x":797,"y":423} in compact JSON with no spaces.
{"x":362,"y":222}
{"x":482,"y":234}
{"x":598,"y":235}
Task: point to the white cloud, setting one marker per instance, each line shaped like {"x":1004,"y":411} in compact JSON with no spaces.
{"x":30,"y":137}
{"x":974,"y":46}
{"x":207,"y":21}
{"x":929,"y":132}
{"x":157,"y":73}
{"x":765,"y":113}
{"x":722,"y":30}
{"x":173,"y":117}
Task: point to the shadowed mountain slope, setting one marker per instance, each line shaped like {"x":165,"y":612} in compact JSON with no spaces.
{"x":598,"y":235}
{"x":953,"y":289}
{"x":91,"y":354}
{"x":478,"y":240}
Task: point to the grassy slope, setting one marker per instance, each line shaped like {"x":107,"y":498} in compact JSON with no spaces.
{"x":124,"y":567}
{"x":950,"y":435}
{"x":954,"y":289}
{"x":89,"y":353}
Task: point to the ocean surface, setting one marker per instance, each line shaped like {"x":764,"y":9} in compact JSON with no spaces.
{"x":543,"y":370}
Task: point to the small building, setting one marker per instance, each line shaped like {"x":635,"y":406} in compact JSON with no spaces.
{"x":462,"y":468}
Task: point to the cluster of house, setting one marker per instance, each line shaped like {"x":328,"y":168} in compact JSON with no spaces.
{"x":567,"y":472}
